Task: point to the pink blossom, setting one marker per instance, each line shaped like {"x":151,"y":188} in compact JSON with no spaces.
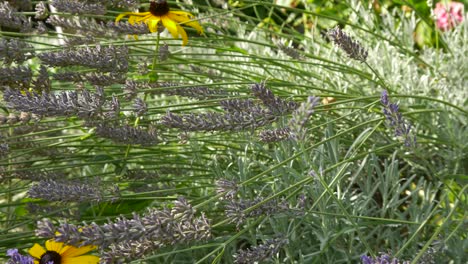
{"x":448,"y":15}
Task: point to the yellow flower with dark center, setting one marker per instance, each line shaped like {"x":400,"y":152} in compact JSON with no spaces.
{"x":159,"y":12}
{"x":58,"y":253}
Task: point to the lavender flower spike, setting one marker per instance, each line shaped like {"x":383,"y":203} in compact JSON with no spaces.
{"x":17,"y":258}
{"x":353,"y":48}
{"x":260,"y":252}
{"x":9,"y":18}
{"x":383,"y":259}
{"x":51,"y":190}
{"x":126,"y":239}
{"x":395,"y":120}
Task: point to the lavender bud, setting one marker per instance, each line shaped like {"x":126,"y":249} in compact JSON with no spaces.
{"x":383,"y":259}
{"x":42,"y":82}
{"x":125,"y":28}
{"x":42,"y":12}
{"x":396,"y":121}
{"x":51,"y":190}
{"x":87,"y":29}
{"x":277,"y":105}
{"x":19,"y":77}
{"x":237,"y":105}
{"x":127,"y":135}
{"x":17,"y":258}
{"x":104,"y":59}
{"x":235,"y":121}
{"x":45,"y":228}
{"x":126,"y":4}
{"x":41,"y":28}
{"x":14,"y":50}
{"x":85,"y":104}
{"x":237,"y":210}
{"x":115,"y":108}
{"x":275,"y":135}
{"x":228,"y":188}
{"x":261,"y":252}
{"x":125,"y":239}
{"x":9,"y":18}
{"x":130,"y":89}
{"x":140,"y":107}
{"x":301,"y":116}
{"x":77,"y":8}
{"x":384,"y":98}
{"x":353,"y":48}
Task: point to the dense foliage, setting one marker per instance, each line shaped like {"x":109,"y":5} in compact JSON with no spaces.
{"x":283,"y":132}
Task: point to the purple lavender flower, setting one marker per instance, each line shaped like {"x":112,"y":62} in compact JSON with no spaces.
{"x":17,"y":258}
{"x":236,"y":210}
{"x":51,"y":190}
{"x":275,"y":135}
{"x":14,"y":50}
{"x":228,"y":188}
{"x":83,"y":104}
{"x":104,"y":59}
{"x":276,"y":105}
{"x":126,"y":239}
{"x":261,"y":252}
{"x":383,"y":259}
{"x":127,"y":134}
{"x":10,"y":18}
{"x":41,"y":11}
{"x":75,"y":7}
{"x":353,"y":48}
{"x":395,"y":120}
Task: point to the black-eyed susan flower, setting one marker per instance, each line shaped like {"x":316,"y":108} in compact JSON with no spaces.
{"x":58,"y":253}
{"x":159,"y":12}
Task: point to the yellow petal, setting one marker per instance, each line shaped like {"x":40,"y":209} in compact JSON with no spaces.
{"x":88,"y":259}
{"x":51,"y":245}
{"x":36,"y":251}
{"x":195,"y":25}
{"x":183,"y":34}
{"x":71,"y":251}
{"x":119,"y":17}
{"x":131,"y":19}
{"x":140,"y":19}
{"x":170,"y":25}
{"x":182,"y":13}
{"x":186,"y":21}
{"x":153,"y":24}
{"x":178,"y":18}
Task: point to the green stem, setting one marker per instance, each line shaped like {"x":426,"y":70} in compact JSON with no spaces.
{"x":381,"y":80}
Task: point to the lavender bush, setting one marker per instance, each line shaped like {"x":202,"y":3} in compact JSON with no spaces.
{"x":233,"y":131}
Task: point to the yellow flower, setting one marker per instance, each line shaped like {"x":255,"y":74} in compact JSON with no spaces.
{"x":58,"y":253}
{"x":159,"y":12}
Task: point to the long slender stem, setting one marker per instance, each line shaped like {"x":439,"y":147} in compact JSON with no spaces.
{"x":153,"y":67}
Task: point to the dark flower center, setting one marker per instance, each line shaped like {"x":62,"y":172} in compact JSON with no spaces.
{"x":50,"y":256}
{"x":159,"y":8}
